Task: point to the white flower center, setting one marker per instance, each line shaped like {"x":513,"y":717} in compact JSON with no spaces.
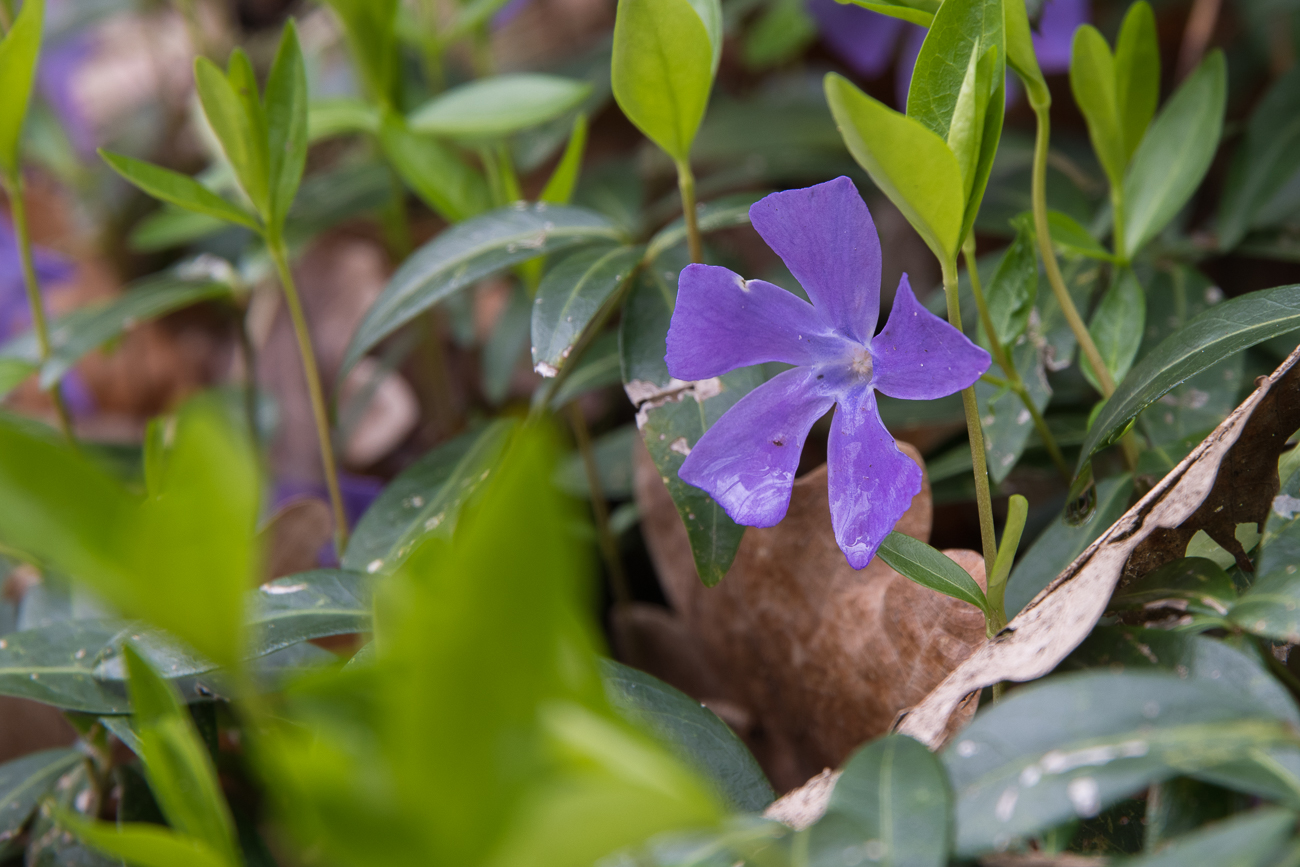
{"x":860,"y":363}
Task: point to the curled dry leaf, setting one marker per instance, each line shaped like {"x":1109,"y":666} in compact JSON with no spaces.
{"x":1229,"y":478}
{"x":823,"y":657}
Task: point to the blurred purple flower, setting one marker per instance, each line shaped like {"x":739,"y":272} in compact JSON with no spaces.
{"x":747,"y":460}
{"x":61,"y":62}
{"x":508,"y":13}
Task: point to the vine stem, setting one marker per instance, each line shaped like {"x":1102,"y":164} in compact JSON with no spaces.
{"x":18,"y":209}
{"x":1014,"y":382}
{"x":599,"y":508}
{"x":983,"y":497}
{"x":686,"y":183}
{"x":1054,"y":278}
{"x":314,"y":390}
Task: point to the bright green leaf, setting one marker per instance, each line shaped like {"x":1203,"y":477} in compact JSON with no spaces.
{"x":18,"y":54}
{"x":916,"y":11}
{"x":339,"y":116}
{"x":1137,"y":75}
{"x":1092,"y":80}
{"x":144,"y":845}
{"x":177,"y":189}
{"x":242,"y":137}
{"x":286,"y":124}
{"x":917,"y":561}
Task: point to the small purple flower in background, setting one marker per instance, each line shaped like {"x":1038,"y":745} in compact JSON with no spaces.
{"x":1055,"y":33}
{"x":747,"y":460}
{"x":51,"y":269}
{"x":56,"y":76}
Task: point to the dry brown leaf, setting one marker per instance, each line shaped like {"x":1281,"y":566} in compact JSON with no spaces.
{"x":294,"y":535}
{"x":1230,"y":477}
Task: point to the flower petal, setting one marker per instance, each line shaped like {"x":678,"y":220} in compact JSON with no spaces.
{"x":747,"y":460}
{"x":825,"y":236}
{"x":871,"y":483}
{"x":918,"y":356}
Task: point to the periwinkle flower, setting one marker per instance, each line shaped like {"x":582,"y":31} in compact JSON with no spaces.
{"x":747,"y":460}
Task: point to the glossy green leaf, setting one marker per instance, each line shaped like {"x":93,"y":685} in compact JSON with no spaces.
{"x":1007,"y":422}
{"x":662,"y":70}
{"x":892,"y":804}
{"x":143,"y":844}
{"x":724,"y":213}
{"x":468,"y":252}
{"x":1252,"y":839}
{"x":498,"y":106}
{"x":577,"y":291}
{"x":435,"y":172}
{"x":643,"y":328}
{"x":1073,"y":239}
{"x":286,"y":124}
{"x":1137,"y":75}
{"x":1117,"y":326}
{"x":945,"y":95}
{"x":425,"y":499}
{"x":177,"y":189}
{"x":560,"y":185}
{"x":1192,"y":584}
{"x":1073,"y":745}
{"x":369,"y":25}
{"x":24,"y":783}
{"x":236,"y":118}
{"x":600,"y":366}
{"x":1092,"y":80}
{"x":1220,"y":331}
{"x":1013,"y":290}
{"x":908,"y":161}
{"x":18,"y":53}
{"x":917,"y":561}
{"x":693,"y":733}
{"x":342,"y":115}
{"x":1022,"y":56}
{"x":1175,"y":153}
{"x":916,"y":11}
{"x":1266,"y":158}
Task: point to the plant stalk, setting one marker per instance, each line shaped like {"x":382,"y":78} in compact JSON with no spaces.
{"x":983,"y":497}
{"x":599,"y":509}
{"x":686,"y":183}
{"x":18,"y":209}
{"x":1014,"y":382}
{"x":314,"y":390}
{"x":1054,"y":278}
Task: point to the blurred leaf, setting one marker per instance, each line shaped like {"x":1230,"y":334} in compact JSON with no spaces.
{"x":916,"y":11}
{"x":710,"y":12}
{"x":1190,"y":584}
{"x":1007,"y":422}
{"x":342,"y":115}
{"x":177,"y":189}
{"x":18,"y":53}
{"x":504,"y":346}
{"x":1137,"y":75}
{"x":724,"y":213}
{"x":600,"y":366}
{"x":468,"y":252}
{"x":1266,"y":158}
{"x":891,"y":804}
{"x":286,"y":120}
{"x":1093,"y":83}
{"x":782,"y":31}
{"x":235,"y":114}
{"x":1022,"y":55}
{"x":692,"y":731}
{"x":560,"y":185}
{"x":24,"y":783}
{"x":1073,"y":745}
{"x":369,"y":25}
{"x":1279,"y":545}
{"x":143,"y":844}
{"x":917,"y":561}
{"x":662,"y":70}
{"x":1210,"y":337}
{"x":1252,"y":839}
{"x":497,"y":106}
{"x":1117,"y":326}
{"x":907,"y":160}
{"x":434,"y":171}
{"x":170,"y":226}
{"x":1012,"y":291}
{"x":613,"y":454}
{"x":1175,"y":153}
{"x":577,"y":291}
{"x":425,"y":499}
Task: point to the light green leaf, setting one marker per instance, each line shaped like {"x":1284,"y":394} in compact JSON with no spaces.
{"x":468,"y":252}
{"x":327,"y":118}
{"x":370,"y":28}
{"x":242,"y":137}
{"x":177,"y":189}
{"x":560,"y":185}
{"x":286,"y":123}
{"x":908,"y":161}
{"x":1175,"y":153}
{"x":917,"y":561}
{"x":1073,"y":239}
{"x":1022,"y":57}
{"x":1092,"y":80}
{"x":143,"y":844}
{"x":662,"y":70}
{"x":435,"y":172}
{"x":498,"y":106}
{"x":1267,"y":157}
{"x":577,"y":291}
{"x":18,"y":54}
{"x":710,"y":12}
{"x":1117,"y":327}
{"x":1137,"y":75}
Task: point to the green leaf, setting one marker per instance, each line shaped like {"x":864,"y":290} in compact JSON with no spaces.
{"x":1175,"y":153}
{"x":1073,"y":745}
{"x":498,"y":106}
{"x":1137,"y":75}
{"x":1269,"y":608}
{"x":1006,"y":421}
{"x":177,"y":189}
{"x":916,"y":11}
{"x":1252,"y":839}
{"x":434,"y":171}
{"x":662,"y":70}
{"x":1117,"y":327}
{"x":599,"y":367}
{"x":18,"y":53}
{"x":691,"y":731}
{"x":1092,"y":81}
{"x":577,"y":291}
{"x":468,"y":252}
{"x":1013,"y":290}
{"x":342,"y":115}
{"x":507,"y":341}
{"x":143,"y":844}
{"x":425,"y":500}
{"x":1267,"y":157}
{"x":1194,"y":584}
{"x":236,"y":118}
{"x":370,"y":28}
{"x":917,"y":561}
{"x":1073,"y":239}
{"x":1279,"y":545}
{"x":710,"y":12}
{"x":908,"y":161}
{"x":724,"y":213}
{"x":944,"y":95}
{"x":780,"y":33}
{"x":612,"y":452}
{"x":1229,"y":327}
{"x":1022,"y":57}
{"x":25,"y":782}
{"x":560,"y":185}
{"x":892,"y":802}
{"x":286,"y":122}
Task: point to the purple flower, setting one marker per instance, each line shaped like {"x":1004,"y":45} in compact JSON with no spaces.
{"x":60,"y":65}
{"x":1055,"y":34}
{"x":747,"y":460}
{"x":15,"y":316}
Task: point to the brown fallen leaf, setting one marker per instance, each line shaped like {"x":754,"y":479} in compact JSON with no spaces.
{"x":1234,"y":471}
{"x":294,"y":535}
{"x":824,"y":657}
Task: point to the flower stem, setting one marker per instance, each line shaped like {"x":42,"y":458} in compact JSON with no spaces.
{"x":1054,"y":278}
{"x":314,"y":391}
{"x":983,"y":497}
{"x":1014,"y":382}
{"x":18,"y":208}
{"x":599,"y":509}
{"x":686,"y":183}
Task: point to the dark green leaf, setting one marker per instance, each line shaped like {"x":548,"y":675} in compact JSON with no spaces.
{"x":1013,"y":290}
{"x":918,"y":562}
{"x":1117,"y":326}
{"x":1220,"y":331}
{"x":1006,"y":420}
{"x":286,"y":122}
{"x":1267,"y":157}
{"x":1279,"y":545}
{"x":693,"y":732}
{"x":600,"y":366}
{"x":18,"y":53}
{"x":1251,"y":839}
{"x":724,"y":213}
{"x":1190,"y":584}
{"x":468,"y":252}
{"x":1073,"y":239}
{"x":498,"y":106}
{"x":177,"y":189}
{"x":942,"y":95}
{"x":613,"y":455}
{"x":434,"y":171}
{"x":781,"y":32}
{"x":577,"y":291}
{"x":1137,"y":74}
{"x":25,"y":782}
{"x":1271,"y":607}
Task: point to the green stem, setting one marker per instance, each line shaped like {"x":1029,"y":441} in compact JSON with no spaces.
{"x":314,"y":390}
{"x":983,"y":497}
{"x":18,"y":207}
{"x":686,"y":183}
{"x":1117,"y":225}
{"x":1054,"y":278}
{"x":600,"y":509}
{"x":1017,"y":512}
{"x":1014,"y":382}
